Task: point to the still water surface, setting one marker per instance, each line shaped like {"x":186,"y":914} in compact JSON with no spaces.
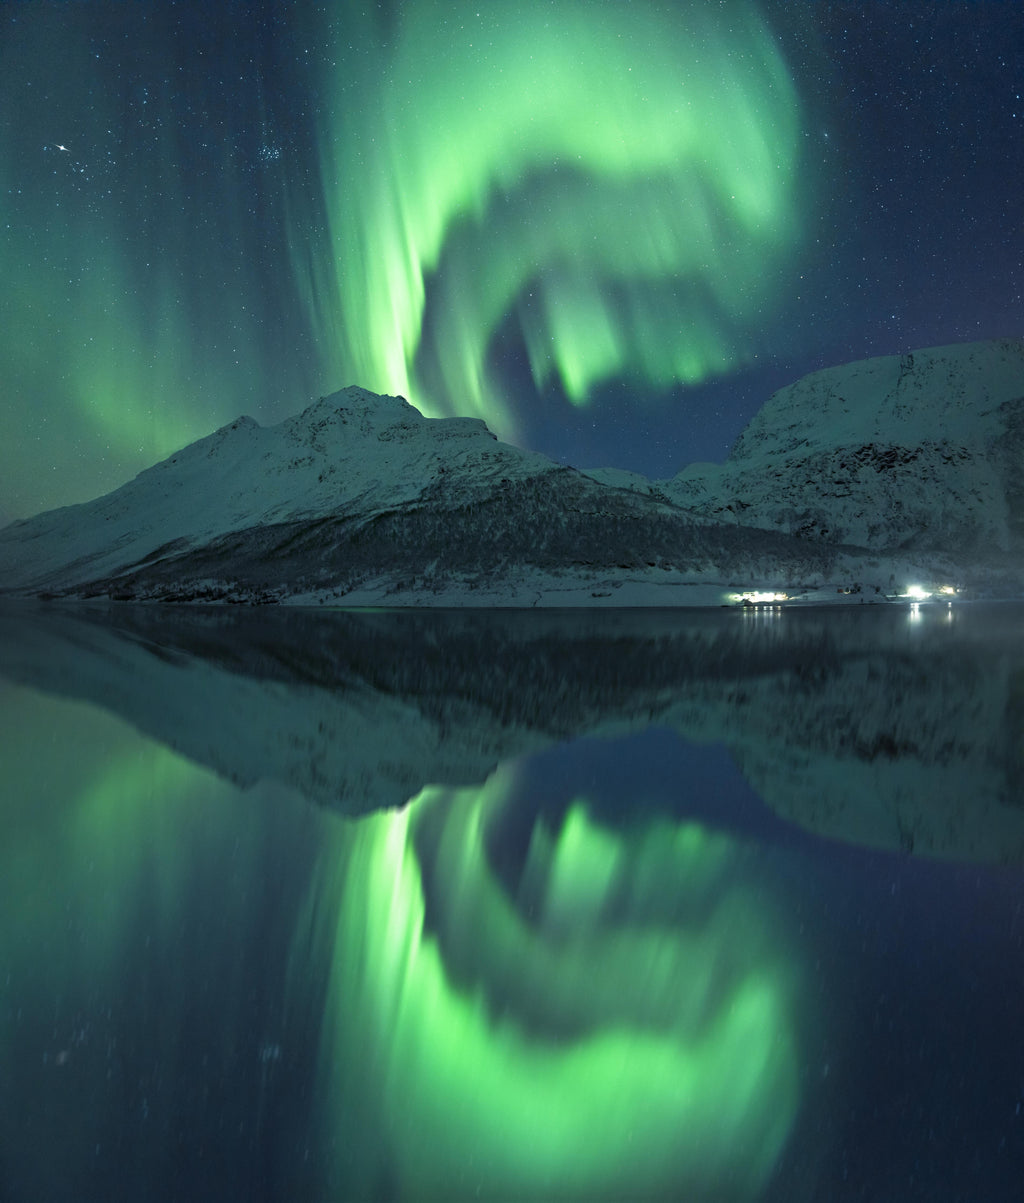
{"x":707,"y":906}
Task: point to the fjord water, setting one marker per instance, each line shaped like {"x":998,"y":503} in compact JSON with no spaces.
{"x":330,"y":906}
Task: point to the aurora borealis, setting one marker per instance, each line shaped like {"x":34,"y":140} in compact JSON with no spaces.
{"x":496,"y":162}
{"x":610,"y":229}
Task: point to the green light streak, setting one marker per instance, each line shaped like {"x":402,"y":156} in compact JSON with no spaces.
{"x":633,"y":1036}
{"x":119,"y":847}
{"x":135,"y":937}
{"x":623,"y":185}
{"x":135,"y":273}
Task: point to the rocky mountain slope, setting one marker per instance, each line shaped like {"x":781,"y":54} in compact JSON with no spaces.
{"x":879,"y":473}
{"x":353,"y":454}
{"x":921,"y":451}
{"x":362,"y":493}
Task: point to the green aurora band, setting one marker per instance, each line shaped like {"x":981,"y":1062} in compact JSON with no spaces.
{"x":621,"y":1028}
{"x":616,"y":182}
{"x":418,"y":197}
{"x":144,"y":287}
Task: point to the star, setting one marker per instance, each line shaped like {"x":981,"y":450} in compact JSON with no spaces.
{"x":60,"y":146}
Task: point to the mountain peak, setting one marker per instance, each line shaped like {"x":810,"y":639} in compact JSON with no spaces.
{"x":947,"y":391}
{"x":355,"y":405}
{"x":916,"y":451}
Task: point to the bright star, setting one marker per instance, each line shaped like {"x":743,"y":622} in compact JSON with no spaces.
{"x":61,"y":147}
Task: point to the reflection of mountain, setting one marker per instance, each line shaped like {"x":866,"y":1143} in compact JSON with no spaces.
{"x":259,"y":993}
{"x":875,"y":725}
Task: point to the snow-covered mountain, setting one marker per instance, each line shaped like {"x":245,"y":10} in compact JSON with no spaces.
{"x":362,"y":498}
{"x":878,"y":473}
{"x":921,"y":451}
{"x":354,"y":453}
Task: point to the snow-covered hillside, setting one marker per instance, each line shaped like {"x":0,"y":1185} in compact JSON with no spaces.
{"x":362,"y":499}
{"x":353,"y":453}
{"x":921,"y":451}
{"x":868,"y":476}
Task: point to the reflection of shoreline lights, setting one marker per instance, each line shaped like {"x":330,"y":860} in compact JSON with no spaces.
{"x":622,"y":1027}
{"x":619,"y":187}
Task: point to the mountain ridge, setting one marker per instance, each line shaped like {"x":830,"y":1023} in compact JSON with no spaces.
{"x":919,"y":451}
{"x":871,"y":475}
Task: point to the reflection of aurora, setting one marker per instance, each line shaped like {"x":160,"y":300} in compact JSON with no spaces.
{"x":620,"y":186}
{"x":622,"y":1025}
{"x":609,"y":1014}
{"x":143,"y":934}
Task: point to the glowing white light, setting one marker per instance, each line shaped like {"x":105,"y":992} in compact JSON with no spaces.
{"x":759,"y":599}
{"x":917,"y":593}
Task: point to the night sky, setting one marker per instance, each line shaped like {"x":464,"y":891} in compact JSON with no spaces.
{"x":610,"y":229}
